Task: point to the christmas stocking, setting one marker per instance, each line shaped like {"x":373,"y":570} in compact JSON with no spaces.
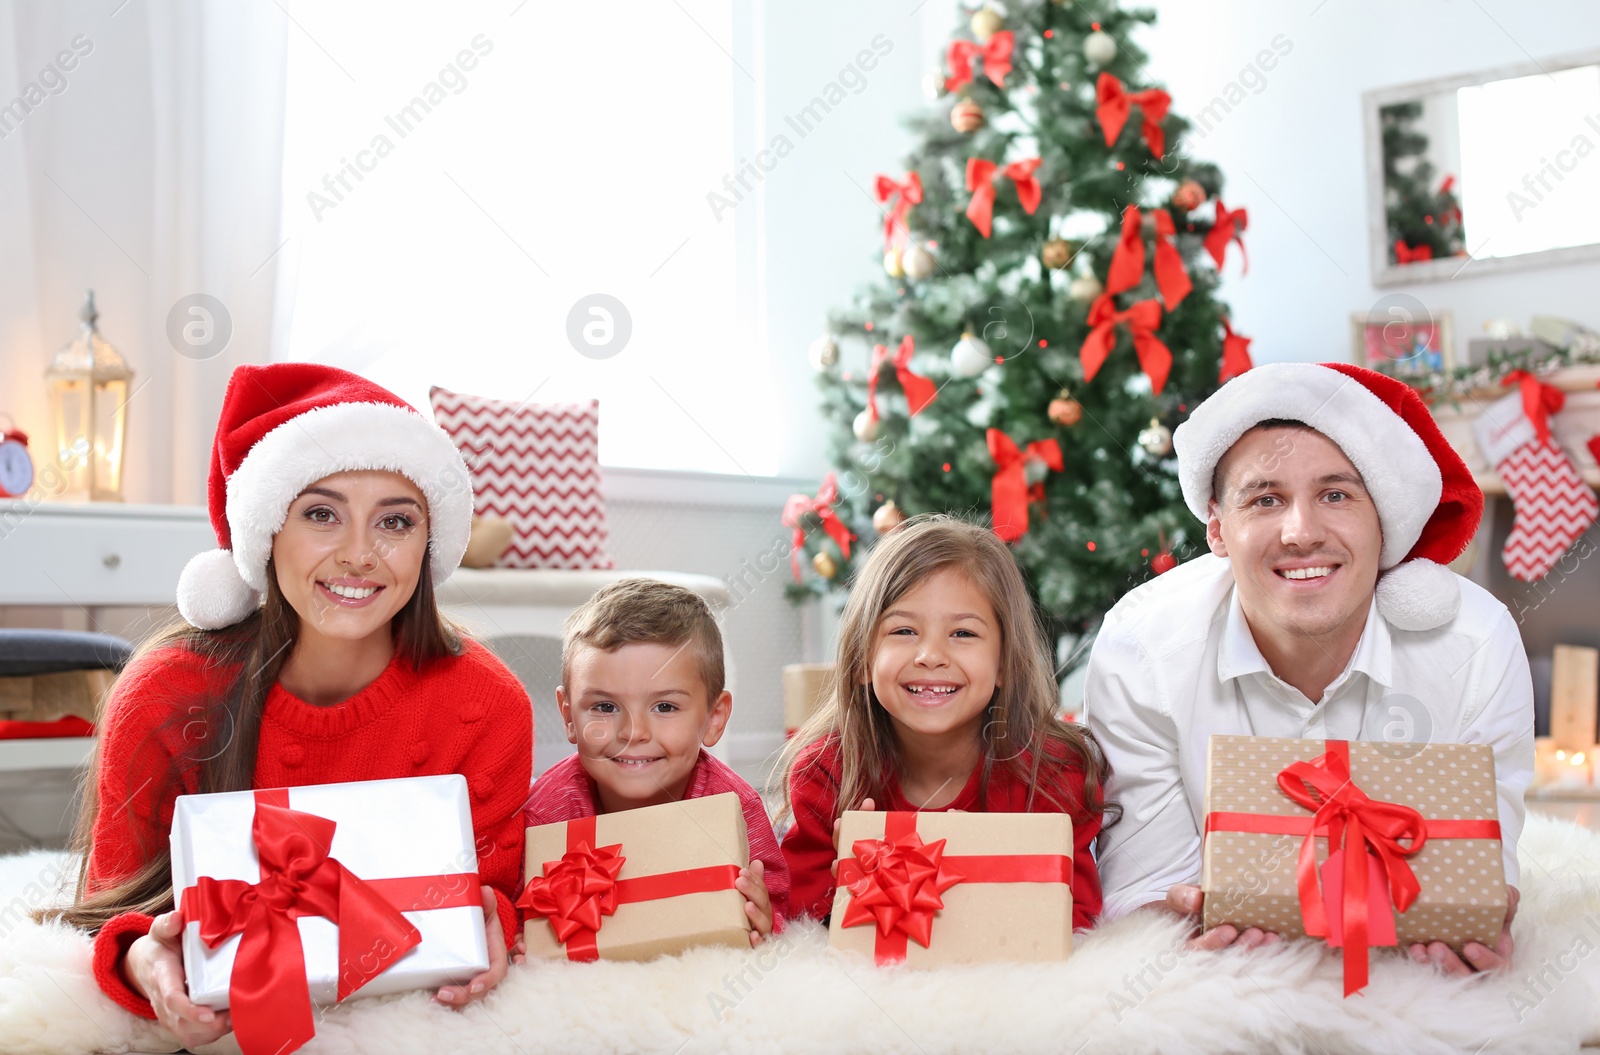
{"x":1554,"y":507}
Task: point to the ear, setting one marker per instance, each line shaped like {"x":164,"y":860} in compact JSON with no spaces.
{"x":566,"y":713}
{"x":717,"y":720}
{"x":1214,"y":529}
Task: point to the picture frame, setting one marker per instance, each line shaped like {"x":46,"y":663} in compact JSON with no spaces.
{"x":1402,"y":346}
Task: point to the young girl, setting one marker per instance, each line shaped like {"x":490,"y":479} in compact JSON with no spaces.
{"x":312,"y":652}
{"x":943,"y":700}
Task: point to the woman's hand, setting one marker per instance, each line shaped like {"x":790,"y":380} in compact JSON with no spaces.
{"x":459,"y":996}
{"x":154,"y":967}
{"x":757,"y":902}
{"x":866,"y":804}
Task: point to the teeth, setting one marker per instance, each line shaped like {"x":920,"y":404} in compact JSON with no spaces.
{"x":354,"y":593}
{"x":932,"y":690}
{"x":1306,"y":573}
{"x":634,"y":761}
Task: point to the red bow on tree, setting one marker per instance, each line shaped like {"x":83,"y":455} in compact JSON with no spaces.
{"x":1113,"y":104}
{"x":1127,"y":263}
{"x":268,"y":996}
{"x":1009,"y":492}
{"x":1171,"y":278}
{"x":577,"y":892}
{"x":1229,"y":227}
{"x":821,"y":507}
{"x":1235,"y":353}
{"x":919,"y":390}
{"x":900,"y":886}
{"x":1404,"y":254}
{"x":1155,"y":359}
{"x":996,"y":56}
{"x":905,"y":196}
{"x":1454,"y":211}
{"x":1539,"y":401}
{"x":980,"y":181}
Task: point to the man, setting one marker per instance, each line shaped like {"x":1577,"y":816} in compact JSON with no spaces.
{"x":1331,"y":502}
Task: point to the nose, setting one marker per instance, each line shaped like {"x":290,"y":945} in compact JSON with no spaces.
{"x":1302,"y":526}
{"x":358,"y":549}
{"x":631,"y":732}
{"x":931,"y":653}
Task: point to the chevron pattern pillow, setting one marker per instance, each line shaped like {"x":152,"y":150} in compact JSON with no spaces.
{"x":536,"y":465}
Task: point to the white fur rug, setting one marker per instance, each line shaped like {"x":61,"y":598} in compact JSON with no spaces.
{"x":1129,"y":988}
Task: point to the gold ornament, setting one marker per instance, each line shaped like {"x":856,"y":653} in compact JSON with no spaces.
{"x":892,"y":265}
{"x":1156,"y":440}
{"x":825,"y":565}
{"x":985,"y":24}
{"x":824,"y":353}
{"x":917,"y":262}
{"x":865,"y":426}
{"x":887,"y":517}
{"x":966,"y":116}
{"x":1056,"y":254}
{"x":1085,"y":288}
{"x":1189,"y":195}
{"x":1065,"y":411}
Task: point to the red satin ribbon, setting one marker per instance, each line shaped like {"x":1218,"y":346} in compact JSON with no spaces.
{"x":1171,"y":277}
{"x":577,"y":892}
{"x":1404,"y":254}
{"x":1359,"y":826}
{"x":1539,"y":401}
{"x":1235,"y":353}
{"x":269,"y":998}
{"x":1009,"y":492}
{"x":1113,"y":104}
{"x":1155,"y":359}
{"x":897,"y":882}
{"x":919,"y":391}
{"x":980,"y":181}
{"x":1127,"y":263}
{"x":905,"y":195}
{"x":821,"y":507}
{"x":996,"y":56}
{"x":1229,"y":227}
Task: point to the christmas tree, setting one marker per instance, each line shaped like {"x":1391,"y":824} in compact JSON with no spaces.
{"x":1424,"y":221}
{"x":1049,"y":313}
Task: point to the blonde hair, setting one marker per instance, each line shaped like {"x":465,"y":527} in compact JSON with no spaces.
{"x":1021,"y":730}
{"x":646,"y":611}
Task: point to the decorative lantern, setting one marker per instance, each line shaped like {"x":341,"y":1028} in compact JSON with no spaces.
{"x":89,"y":384}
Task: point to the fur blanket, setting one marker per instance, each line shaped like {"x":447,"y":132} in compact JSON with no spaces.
{"x":1129,"y":987}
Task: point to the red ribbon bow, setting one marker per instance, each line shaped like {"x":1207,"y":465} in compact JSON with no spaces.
{"x":900,"y":886}
{"x":1405,"y":254}
{"x":1113,"y":104}
{"x":269,"y":998}
{"x":1229,"y":227}
{"x":1155,"y":359}
{"x":1009,"y":492}
{"x":980,"y":181}
{"x":576,"y":893}
{"x":905,"y":195}
{"x":1235,"y":352}
{"x":919,"y":391}
{"x":1356,"y":825}
{"x":996,"y":56}
{"x":821,"y":507}
{"x":1539,"y":401}
{"x":1171,"y":278}
{"x":1127,"y":263}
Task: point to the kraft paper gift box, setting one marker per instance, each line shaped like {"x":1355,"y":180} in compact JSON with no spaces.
{"x":396,"y":857}
{"x":638,"y":884}
{"x":805,"y":690}
{"x":1259,"y":870}
{"x":932,"y":889}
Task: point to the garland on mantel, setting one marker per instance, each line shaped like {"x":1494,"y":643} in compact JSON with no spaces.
{"x":1452,"y":386}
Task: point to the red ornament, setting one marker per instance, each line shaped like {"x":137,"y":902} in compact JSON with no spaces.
{"x":1091,"y":547}
{"x":1163,"y":562}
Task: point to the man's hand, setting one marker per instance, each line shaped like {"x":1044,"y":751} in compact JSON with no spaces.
{"x":1185,"y":899}
{"x":1479,"y":957}
{"x":757,"y":902}
{"x":154,"y":967}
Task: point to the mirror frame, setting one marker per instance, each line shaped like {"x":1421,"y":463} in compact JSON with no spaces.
{"x":1387,"y":274}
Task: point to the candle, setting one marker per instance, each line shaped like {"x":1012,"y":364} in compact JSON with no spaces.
{"x":1574,"y":769}
{"x":1545,"y":763}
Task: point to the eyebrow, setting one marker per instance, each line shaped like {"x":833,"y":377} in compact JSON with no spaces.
{"x":337,"y":497}
{"x":1250,"y":486}
{"x":903,"y":614}
{"x":662,"y":692}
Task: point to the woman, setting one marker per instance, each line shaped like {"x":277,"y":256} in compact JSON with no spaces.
{"x":312,"y":652}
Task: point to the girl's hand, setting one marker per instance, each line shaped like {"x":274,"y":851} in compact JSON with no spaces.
{"x":459,"y":996}
{"x":154,"y":967}
{"x":866,"y":804}
{"x":757,"y":903}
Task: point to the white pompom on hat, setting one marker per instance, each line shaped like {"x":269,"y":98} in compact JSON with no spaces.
{"x":285,"y":426}
{"x":1428,"y":504}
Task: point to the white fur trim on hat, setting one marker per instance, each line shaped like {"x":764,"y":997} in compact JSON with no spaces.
{"x":347,"y":437}
{"x":211,"y":595}
{"x":1419,"y":595}
{"x":1395,"y":465}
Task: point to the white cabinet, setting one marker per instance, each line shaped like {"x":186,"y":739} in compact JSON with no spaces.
{"x":88,"y":554}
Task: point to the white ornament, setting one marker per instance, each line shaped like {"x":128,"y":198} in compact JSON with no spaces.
{"x":1085,"y":288}
{"x":1156,"y":440}
{"x":917,"y":262}
{"x":971,"y":356}
{"x":1099,"y":47}
{"x":865,"y":426}
{"x":824,"y":353}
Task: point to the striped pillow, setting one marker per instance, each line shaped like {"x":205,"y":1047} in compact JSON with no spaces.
{"x":536,"y":465}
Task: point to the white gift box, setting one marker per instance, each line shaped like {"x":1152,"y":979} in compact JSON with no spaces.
{"x":387,"y":829}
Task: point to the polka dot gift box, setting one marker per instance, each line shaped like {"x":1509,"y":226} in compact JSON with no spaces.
{"x":1361,"y":844}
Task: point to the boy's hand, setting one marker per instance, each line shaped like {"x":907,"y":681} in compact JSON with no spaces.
{"x":866,"y":804}
{"x":757,"y":902}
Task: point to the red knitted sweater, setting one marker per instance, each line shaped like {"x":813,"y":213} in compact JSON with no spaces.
{"x":466,"y":714}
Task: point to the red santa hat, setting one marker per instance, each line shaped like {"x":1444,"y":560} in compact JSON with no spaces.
{"x":1428,"y":503}
{"x":285,"y":426}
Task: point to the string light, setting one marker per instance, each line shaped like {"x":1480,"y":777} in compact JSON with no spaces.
{"x":1049,"y":33}
{"x":946,"y":466}
{"x":1043,"y":343}
{"x":869,"y":326}
{"x":1091,"y":546}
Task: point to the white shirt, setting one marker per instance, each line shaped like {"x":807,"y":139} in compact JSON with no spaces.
{"x":1176,"y":662}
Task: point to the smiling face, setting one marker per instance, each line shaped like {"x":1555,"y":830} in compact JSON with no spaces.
{"x":1302,"y":534}
{"x":640,"y":714}
{"x":350,"y":553}
{"x":936,"y":658}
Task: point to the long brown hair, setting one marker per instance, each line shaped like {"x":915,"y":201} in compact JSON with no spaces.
{"x":1021,"y":731}
{"x":222,"y":755}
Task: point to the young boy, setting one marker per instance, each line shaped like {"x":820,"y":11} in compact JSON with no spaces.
{"x":641,"y":694}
